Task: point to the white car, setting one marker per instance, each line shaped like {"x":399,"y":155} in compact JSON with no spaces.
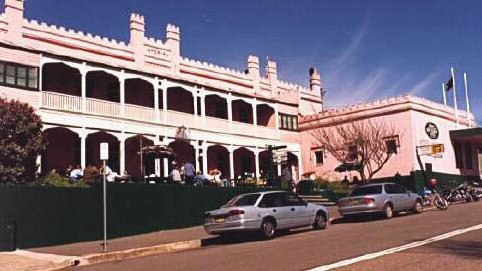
{"x":266,"y":213}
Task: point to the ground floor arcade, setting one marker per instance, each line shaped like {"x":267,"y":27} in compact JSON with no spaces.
{"x":74,"y":146}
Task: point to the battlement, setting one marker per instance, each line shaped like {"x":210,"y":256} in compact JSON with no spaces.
{"x":385,"y":103}
{"x":146,"y":54}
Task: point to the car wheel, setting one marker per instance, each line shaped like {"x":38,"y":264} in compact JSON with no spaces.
{"x":388,"y":211}
{"x":417,"y":209}
{"x":320,"y":222}
{"x":268,"y":229}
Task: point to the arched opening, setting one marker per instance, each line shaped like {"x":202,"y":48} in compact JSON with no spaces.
{"x":264,"y":163}
{"x":183,"y":151}
{"x":293,"y":164}
{"x":133,"y":156}
{"x":63,"y":149}
{"x":242,"y":111}
{"x":61,"y":78}
{"x":139,"y":92}
{"x":243,"y":162}
{"x":93,"y":150}
{"x":181,"y":100}
{"x":265,"y":115}
{"x":218,"y":158}
{"x":216,"y":107}
{"x":103,"y":86}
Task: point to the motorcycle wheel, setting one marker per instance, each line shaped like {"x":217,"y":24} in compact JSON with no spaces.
{"x":441,"y":203}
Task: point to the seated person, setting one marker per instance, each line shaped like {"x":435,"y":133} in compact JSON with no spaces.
{"x":76,"y":174}
{"x":109,"y":174}
{"x":200,"y":179}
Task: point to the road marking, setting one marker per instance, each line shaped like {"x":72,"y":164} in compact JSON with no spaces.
{"x":396,"y":249}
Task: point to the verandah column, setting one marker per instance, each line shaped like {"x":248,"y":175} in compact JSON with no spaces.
{"x":255,"y":112}
{"x":256,"y":162}
{"x":122,"y":155}
{"x":83,"y":139}
{"x":156,"y":99}
{"x":164,"y":102}
{"x":205,"y":157}
{"x":83,"y":86}
{"x":196,"y":155}
{"x":231,"y":162}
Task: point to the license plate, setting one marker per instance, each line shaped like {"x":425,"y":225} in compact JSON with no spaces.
{"x":219,"y":220}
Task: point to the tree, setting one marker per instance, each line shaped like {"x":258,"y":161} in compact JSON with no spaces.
{"x":368,"y":143}
{"x":21,"y":141}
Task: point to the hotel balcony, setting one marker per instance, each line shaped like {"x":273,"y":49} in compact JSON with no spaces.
{"x":98,"y":107}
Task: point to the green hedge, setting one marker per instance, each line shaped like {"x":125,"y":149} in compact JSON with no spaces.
{"x":51,"y":215}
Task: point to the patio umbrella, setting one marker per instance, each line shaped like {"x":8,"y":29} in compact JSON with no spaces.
{"x":343,"y":167}
{"x":158,"y":151}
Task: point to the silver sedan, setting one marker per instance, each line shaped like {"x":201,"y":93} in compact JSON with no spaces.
{"x":385,"y":198}
{"x":266,"y":213}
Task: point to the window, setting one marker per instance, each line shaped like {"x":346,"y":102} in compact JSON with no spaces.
{"x":288,"y":122}
{"x":392,"y":143}
{"x":352,"y":153}
{"x":243,"y":200}
{"x":458,"y":155}
{"x":18,"y":75}
{"x":271,"y":200}
{"x":395,"y":189}
{"x":291,"y":200}
{"x":319,"y":157}
{"x":366,"y":190}
{"x":468,"y":156}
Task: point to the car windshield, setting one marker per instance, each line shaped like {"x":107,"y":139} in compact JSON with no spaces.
{"x":366,"y":190}
{"x":243,"y":200}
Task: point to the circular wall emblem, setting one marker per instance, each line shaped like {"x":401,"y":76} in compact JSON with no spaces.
{"x":431,"y":130}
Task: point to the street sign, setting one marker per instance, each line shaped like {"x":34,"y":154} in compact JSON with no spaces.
{"x":431,"y":149}
{"x":280,"y":157}
{"x":104,"y":151}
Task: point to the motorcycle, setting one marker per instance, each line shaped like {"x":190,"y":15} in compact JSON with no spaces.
{"x":431,"y":197}
{"x":475,"y":191}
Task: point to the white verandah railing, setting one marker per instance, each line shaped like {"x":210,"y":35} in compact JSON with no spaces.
{"x":134,"y":112}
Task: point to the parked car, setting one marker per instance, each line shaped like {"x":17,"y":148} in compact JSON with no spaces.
{"x":384,"y":198}
{"x":266,"y":213}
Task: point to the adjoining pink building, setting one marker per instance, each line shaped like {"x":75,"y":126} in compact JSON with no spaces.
{"x":418,"y":122}
{"x":90,"y":89}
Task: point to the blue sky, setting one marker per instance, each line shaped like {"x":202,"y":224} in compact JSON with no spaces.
{"x":363,"y":49}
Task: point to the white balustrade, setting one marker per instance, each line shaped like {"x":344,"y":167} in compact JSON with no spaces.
{"x":103,"y":108}
{"x":243,"y":128}
{"x":267,"y":132}
{"x":61,"y":101}
{"x":139,"y":112}
{"x":216,"y":124}
{"x":182,"y":119}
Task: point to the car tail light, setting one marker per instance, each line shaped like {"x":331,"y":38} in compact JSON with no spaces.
{"x":235,"y":212}
{"x":368,"y":200}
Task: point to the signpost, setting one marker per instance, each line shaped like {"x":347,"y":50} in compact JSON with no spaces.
{"x":104,"y":156}
{"x":272,"y":160}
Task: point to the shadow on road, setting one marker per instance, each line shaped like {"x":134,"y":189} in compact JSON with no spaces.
{"x":356,"y":219}
{"x":248,"y":237}
{"x":466,"y":249}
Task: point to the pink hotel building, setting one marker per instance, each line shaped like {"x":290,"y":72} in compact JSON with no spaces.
{"x":90,"y":89}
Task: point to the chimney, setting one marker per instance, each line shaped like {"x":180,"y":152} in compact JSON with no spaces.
{"x":271,"y":71}
{"x":253,"y":66}
{"x":14,"y":15}
{"x":315,"y":80}
{"x":173,"y":39}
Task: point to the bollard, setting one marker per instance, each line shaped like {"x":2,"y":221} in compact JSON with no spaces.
{"x":12,"y":228}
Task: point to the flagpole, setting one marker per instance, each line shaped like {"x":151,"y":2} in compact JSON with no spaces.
{"x":455,"y":98}
{"x":445,"y":96}
{"x":467,"y":100}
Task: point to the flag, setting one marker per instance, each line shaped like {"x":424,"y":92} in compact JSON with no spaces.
{"x":450,"y":84}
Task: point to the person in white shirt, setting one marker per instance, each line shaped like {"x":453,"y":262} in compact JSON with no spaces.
{"x":76,"y":174}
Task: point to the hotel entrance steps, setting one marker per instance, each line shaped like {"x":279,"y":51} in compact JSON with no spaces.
{"x":317,"y":199}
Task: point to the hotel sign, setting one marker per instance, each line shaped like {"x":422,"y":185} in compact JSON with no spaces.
{"x":431,"y":130}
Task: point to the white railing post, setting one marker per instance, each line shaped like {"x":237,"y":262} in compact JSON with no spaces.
{"x":231,"y":162}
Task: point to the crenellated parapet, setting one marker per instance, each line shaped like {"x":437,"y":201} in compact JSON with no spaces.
{"x":382,"y":106}
{"x":161,"y":58}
